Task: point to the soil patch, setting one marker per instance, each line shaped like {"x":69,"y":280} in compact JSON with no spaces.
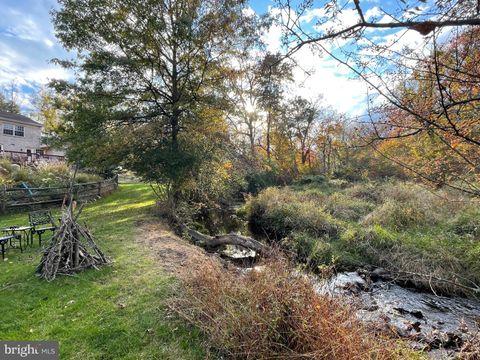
{"x":174,"y":255}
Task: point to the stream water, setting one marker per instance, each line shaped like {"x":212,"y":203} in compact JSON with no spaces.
{"x":433,"y":323}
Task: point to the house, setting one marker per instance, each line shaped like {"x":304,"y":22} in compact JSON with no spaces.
{"x":21,"y":140}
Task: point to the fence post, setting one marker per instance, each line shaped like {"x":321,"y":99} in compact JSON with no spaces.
{"x":3,"y":200}
{"x":115,"y":182}
{"x":99,"y":189}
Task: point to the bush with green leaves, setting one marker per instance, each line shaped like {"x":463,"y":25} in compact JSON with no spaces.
{"x":467,"y":221}
{"x":343,"y":207}
{"x":402,"y":205}
{"x":257,"y":181}
{"x":43,"y":175}
{"x":279,"y":211}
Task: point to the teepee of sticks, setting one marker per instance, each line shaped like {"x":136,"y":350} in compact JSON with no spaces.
{"x":72,"y":247}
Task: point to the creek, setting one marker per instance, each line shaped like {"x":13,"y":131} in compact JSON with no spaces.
{"x":438,"y":325}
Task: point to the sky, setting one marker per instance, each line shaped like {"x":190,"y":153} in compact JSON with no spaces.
{"x":28,"y":43}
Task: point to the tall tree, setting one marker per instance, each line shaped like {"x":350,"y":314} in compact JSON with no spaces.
{"x":304,"y":115}
{"x":9,"y":105}
{"x":273,"y":74}
{"x":152,"y":69}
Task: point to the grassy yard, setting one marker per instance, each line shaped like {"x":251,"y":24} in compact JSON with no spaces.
{"x":115,"y":313}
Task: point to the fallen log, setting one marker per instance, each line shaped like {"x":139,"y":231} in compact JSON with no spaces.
{"x":212,"y":243}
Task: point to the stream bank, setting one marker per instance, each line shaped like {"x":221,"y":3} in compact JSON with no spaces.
{"x":438,"y":325}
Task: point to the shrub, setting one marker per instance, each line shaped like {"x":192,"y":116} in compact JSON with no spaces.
{"x":361,"y":245}
{"x":473,"y":261}
{"x":44,"y":175}
{"x":260,"y":180}
{"x":6,"y":167}
{"x":338,"y":183}
{"x":367,"y":191}
{"x":83,"y":178}
{"x":344,"y":207}
{"x":311,"y":251}
{"x":279,"y":212}
{"x":50,"y":175}
{"x":467,"y":221}
{"x":397,"y":215}
{"x":274,"y":314}
{"x":431,"y":203}
{"x":311,"y":179}
{"x":21,"y":175}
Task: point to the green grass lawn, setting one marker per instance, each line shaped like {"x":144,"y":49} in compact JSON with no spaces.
{"x":115,"y":313}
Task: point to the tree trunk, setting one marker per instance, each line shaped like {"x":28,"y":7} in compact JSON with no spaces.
{"x":213,"y":242}
{"x":269,"y":122}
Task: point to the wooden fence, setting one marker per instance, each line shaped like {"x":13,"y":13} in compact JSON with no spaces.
{"x":20,"y":157}
{"x":36,"y":198}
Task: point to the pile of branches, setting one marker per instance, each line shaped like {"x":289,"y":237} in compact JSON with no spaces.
{"x":72,"y":248}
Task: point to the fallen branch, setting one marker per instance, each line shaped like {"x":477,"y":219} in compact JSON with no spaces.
{"x":475,"y":289}
{"x":212,"y":243}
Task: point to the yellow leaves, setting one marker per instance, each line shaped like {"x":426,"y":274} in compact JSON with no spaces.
{"x":228,"y":166}
{"x":211,"y":121}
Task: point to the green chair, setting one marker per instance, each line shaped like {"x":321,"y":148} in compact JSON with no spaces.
{"x":41,"y":221}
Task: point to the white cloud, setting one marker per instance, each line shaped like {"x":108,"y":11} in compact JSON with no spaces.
{"x":335,"y":82}
{"x":373,"y":12}
{"x":273,"y":38}
{"x":326,"y":77}
{"x":330,"y":80}
{"x":49,"y":43}
{"x":248,"y":11}
{"x":311,"y":14}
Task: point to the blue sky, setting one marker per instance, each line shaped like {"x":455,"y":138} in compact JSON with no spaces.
{"x":27,"y":44}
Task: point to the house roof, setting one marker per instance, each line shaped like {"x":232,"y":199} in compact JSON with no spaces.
{"x":18,"y":118}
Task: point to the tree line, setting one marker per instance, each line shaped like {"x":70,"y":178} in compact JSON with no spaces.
{"x":185,"y":94}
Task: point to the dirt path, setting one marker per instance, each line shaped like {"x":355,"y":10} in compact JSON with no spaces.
{"x":174,"y":254}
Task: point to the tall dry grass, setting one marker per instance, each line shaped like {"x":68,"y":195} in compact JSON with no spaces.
{"x":272,"y":314}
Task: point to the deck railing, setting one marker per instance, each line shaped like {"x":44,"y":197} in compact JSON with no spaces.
{"x":12,"y":198}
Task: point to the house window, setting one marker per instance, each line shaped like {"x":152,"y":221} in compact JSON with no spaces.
{"x":7,"y":129}
{"x":19,"y":130}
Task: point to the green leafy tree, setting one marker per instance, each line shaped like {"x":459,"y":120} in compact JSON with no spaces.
{"x":8,"y":105}
{"x":47,"y":111}
{"x":150,"y":78}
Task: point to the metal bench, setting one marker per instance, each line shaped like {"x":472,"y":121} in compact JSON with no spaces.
{"x":41,"y":221}
{"x":5,"y":239}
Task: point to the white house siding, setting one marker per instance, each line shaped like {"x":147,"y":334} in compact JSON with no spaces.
{"x":30,"y":141}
